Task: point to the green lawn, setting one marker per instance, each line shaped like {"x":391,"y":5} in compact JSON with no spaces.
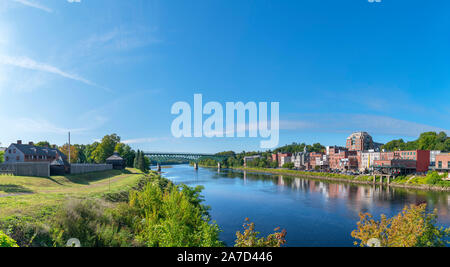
{"x":31,"y":195}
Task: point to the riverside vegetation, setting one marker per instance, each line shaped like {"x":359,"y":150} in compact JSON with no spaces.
{"x":149,"y":211}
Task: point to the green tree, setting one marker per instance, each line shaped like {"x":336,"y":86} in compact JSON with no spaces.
{"x":136,"y":160}
{"x":126,"y":153}
{"x":288,"y":165}
{"x":171,"y":217}
{"x":43,"y":144}
{"x":106,"y":148}
{"x":2,"y":156}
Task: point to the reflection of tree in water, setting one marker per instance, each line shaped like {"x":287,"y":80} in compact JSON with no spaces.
{"x":362,"y":197}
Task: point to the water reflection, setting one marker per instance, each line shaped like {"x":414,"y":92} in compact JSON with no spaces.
{"x":361,"y":196}
{"x":314,"y":212}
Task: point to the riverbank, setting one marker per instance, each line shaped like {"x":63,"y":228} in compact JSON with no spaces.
{"x":362,"y":179}
{"x":30,"y":196}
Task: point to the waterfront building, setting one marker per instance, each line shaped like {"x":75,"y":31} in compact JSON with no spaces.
{"x":368,"y":158}
{"x":433,"y":154}
{"x":443,"y":162}
{"x":284,"y":160}
{"x":314,"y":159}
{"x":335,"y":155}
{"x":361,"y":141}
{"x":421,"y":157}
{"x":301,"y":159}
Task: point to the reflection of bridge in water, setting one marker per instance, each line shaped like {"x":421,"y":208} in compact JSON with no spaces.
{"x":160,"y":157}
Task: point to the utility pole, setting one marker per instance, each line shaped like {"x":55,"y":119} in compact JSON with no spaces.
{"x":69,"y":147}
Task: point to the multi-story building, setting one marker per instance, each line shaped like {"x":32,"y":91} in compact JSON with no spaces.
{"x":443,"y":162}
{"x":405,"y":161}
{"x":282,"y":158}
{"x":368,"y":158}
{"x":285,"y":159}
{"x":361,"y":141}
{"x":433,"y":154}
{"x":335,"y":156}
{"x":314,"y":159}
{"x":422,"y":158}
{"x":301,"y":160}
{"x":19,"y":152}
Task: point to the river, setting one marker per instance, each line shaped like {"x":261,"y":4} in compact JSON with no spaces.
{"x":313,"y":212}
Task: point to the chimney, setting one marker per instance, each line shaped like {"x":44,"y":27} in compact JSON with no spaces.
{"x":31,"y":143}
{"x":19,"y":142}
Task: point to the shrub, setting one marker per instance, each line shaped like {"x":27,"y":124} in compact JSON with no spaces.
{"x":85,"y":220}
{"x":6,"y":241}
{"x":170,"y":217}
{"x":27,"y":231}
{"x":413,"y":227}
{"x":249,"y":238}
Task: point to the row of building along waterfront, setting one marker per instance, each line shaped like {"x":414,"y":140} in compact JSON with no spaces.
{"x":361,"y":154}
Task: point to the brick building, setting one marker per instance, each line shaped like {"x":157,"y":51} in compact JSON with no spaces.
{"x":282,"y":158}
{"x":443,"y":162}
{"x":422,"y":158}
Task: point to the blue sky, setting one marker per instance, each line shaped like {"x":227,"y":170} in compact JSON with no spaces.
{"x":110,"y":66}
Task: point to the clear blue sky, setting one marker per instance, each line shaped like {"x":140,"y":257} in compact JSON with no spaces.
{"x":110,"y":66}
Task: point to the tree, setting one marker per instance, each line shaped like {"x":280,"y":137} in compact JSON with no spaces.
{"x":288,"y":165}
{"x":106,"y":148}
{"x":43,"y":144}
{"x":2,"y":156}
{"x":136,"y":160}
{"x":126,"y":153}
{"x":412,"y":227}
{"x":73,"y":152}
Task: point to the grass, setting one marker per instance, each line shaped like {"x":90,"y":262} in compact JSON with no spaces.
{"x":30,"y":195}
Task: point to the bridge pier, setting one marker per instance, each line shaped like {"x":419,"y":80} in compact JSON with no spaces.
{"x":195,"y":166}
{"x":158,"y":167}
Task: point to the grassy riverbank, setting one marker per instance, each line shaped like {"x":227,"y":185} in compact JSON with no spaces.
{"x":430,"y":182}
{"x":31,"y":196}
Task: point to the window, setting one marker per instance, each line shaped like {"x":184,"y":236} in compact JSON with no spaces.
{"x":440,"y":165}
{"x":7,"y":158}
{"x":14,"y":151}
{"x":448,"y":164}
{"x":18,"y":158}
{"x":9,"y":151}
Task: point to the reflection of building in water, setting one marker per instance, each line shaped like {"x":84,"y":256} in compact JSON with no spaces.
{"x":280,"y":180}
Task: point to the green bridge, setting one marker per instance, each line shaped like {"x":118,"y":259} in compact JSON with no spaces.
{"x":160,"y":157}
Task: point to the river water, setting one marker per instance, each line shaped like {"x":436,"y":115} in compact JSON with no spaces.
{"x":314,"y":213}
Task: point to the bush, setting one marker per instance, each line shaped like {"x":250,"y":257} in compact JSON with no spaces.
{"x":413,"y":227}
{"x":86,"y":220}
{"x":27,"y":231}
{"x":6,"y":241}
{"x":249,"y":238}
{"x":169,"y":217}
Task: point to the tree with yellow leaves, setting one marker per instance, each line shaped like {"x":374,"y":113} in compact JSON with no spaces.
{"x":413,"y":227}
